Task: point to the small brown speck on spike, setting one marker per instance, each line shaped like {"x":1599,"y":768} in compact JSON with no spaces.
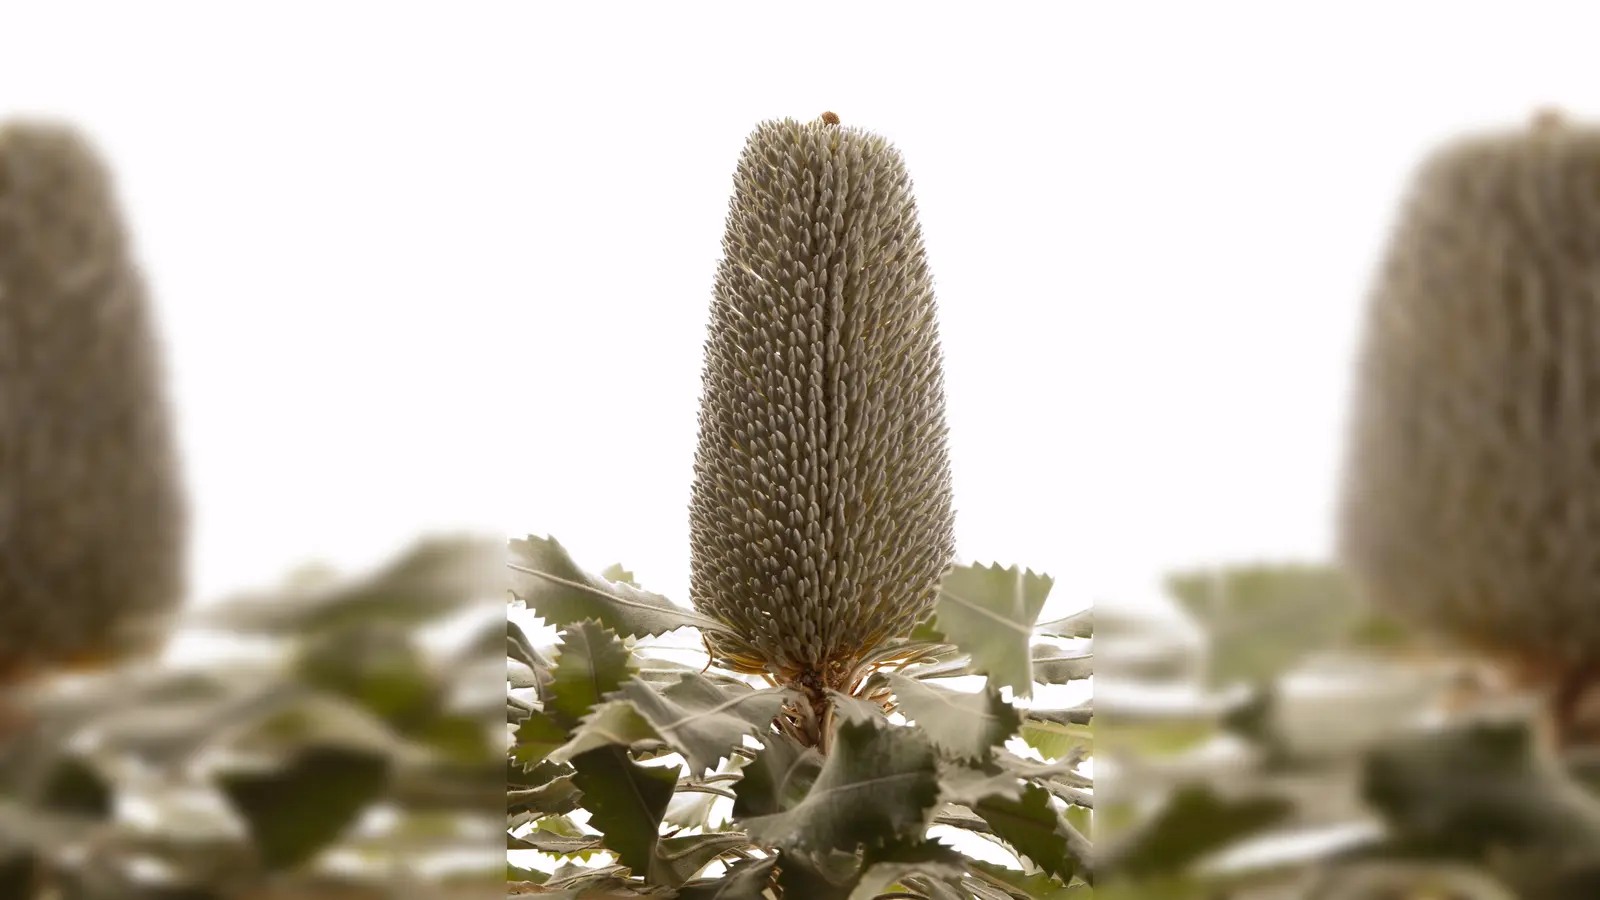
{"x":830,"y":118}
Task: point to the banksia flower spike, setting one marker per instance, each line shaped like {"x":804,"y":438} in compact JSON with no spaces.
{"x":1472,"y":486}
{"x":821,"y":516}
{"x":92,"y":519}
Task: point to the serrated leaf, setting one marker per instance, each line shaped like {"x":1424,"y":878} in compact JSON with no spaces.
{"x":679,"y":858}
{"x":1052,"y":665}
{"x":519,"y":648}
{"x":296,"y":810}
{"x":1078,"y":625}
{"x":746,"y":880}
{"x":615,"y":572}
{"x":536,"y":738}
{"x":989,"y":612}
{"x":829,"y":877}
{"x":1261,"y":621}
{"x":611,"y":724}
{"x":558,"y":796}
{"x":699,"y":719}
{"x":884,"y":867}
{"x":777,"y":779}
{"x":555,"y":844}
{"x":1030,"y":825}
{"x":546,"y":579}
{"x":1035,"y":886}
{"x":1193,"y":823}
{"x":591,"y":662}
{"x":854,"y":709}
{"x":626,"y":802}
{"x":877,"y":784}
{"x":967,"y":725}
{"x":967,"y":784}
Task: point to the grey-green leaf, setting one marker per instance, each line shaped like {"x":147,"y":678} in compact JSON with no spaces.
{"x":1037,"y":831}
{"x":546,"y":579}
{"x":700,"y":719}
{"x":990,"y":612}
{"x":626,"y":802}
{"x":967,"y":725}
{"x":876,"y":785}
{"x":1055,"y":666}
{"x":1078,"y":625}
{"x":591,"y":663}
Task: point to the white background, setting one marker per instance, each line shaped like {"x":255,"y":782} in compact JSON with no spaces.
{"x":428,"y":266}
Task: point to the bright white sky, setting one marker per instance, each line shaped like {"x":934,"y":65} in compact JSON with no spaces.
{"x":447,"y":265}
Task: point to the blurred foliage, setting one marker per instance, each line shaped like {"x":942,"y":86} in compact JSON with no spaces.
{"x":347,"y":747}
{"x":635,"y":774}
{"x":1316,"y":750}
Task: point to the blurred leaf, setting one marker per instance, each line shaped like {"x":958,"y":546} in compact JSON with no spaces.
{"x":1054,"y":666}
{"x":1031,"y":826}
{"x":1078,"y":625}
{"x":989,"y":612}
{"x":1193,"y":823}
{"x":700,"y":719}
{"x":378,"y":666}
{"x":1261,"y":621}
{"x":436,"y":577}
{"x":744,"y":881}
{"x":877,"y":784}
{"x":591,"y":662}
{"x":75,"y":786}
{"x":626,"y":802}
{"x":298,"y":809}
{"x":967,"y":725}
{"x":777,"y":779}
{"x":545,"y":578}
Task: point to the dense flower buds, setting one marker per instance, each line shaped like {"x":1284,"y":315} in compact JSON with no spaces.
{"x":92,"y":520}
{"x":1472,"y":495}
{"x":821,"y":517}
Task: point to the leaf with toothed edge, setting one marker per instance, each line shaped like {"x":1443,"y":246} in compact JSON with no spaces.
{"x":989,"y":612}
{"x":700,"y":719}
{"x":546,"y":579}
{"x":877,"y":784}
{"x":1037,"y":831}
{"x":777,"y":779}
{"x":1055,"y":666}
{"x":591,"y":663}
{"x":625,"y":801}
{"x":1078,"y":625}
{"x":968,"y":725}
{"x":611,"y":724}
{"x":746,"y":880}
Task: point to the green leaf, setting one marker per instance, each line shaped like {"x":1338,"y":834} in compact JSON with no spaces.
{"x":591,"y":662}
{"x":1262,"y":621}
{"x":626,"y":802}
{"x":557,"y":796}
{"x":611,"y":724}
{"x":1054,"y":666}
{"x":1035,"y":886}
{"x":1193,"y":823}
{"x":435,"y":578}
{"x":1055,"y":740}
{"x":519,"y":648}
{"x":1030,"y":825}
{"x":829,"y":877}
{"x":876,"y":785}
{"x":1078,"y":625}
{"x":615,"y":572}
{"x":885,"y":867}
{"x":536,"y":738}
{"x":967,"y":725}
{"x":746,"y":880}
{"x":679,"y":858}
{"x":546,"y":579}
{"x":777,"y":779}
{"x":989,"y":612}
{"x":295,"y":811}
{"x":700,"y":719}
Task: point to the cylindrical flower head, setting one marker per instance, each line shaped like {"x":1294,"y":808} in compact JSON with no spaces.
{"x":1472,"y":483}
{"x":92,"y":519}
{"x":821,"y":517}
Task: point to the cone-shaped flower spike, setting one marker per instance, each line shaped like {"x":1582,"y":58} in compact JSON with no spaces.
{"x":92,"y":518}
{"x":821,"y":517}
{"x":1472,"y":485}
